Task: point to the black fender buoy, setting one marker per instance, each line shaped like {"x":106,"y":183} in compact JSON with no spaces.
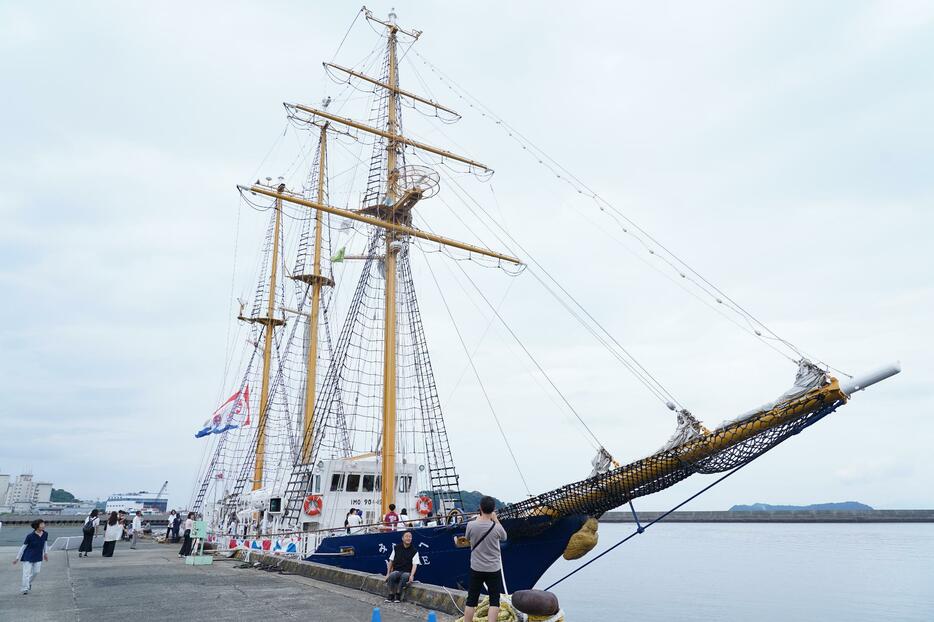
{"x":535,"y":602}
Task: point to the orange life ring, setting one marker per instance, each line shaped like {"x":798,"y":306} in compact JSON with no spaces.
{"x":313,"y":505}
{"x":424,"y":505}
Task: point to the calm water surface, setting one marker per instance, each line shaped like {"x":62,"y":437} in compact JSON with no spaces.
{"x":694,"y":571}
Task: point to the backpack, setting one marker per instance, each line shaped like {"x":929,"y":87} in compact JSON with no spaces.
{"x":88,"y":528}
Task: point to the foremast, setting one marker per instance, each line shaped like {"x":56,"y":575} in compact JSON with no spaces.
{"x":317,"y":281}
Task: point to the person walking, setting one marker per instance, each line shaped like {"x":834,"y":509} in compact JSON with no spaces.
{"x":111,"y":534}
{"x":486,"y":562}
{"x":403,"y":561}
{"x":87,"y":531}
{"x":170,"y":520}
{"x":137,"y":528}
{"x":34,"y":551}
{"x":185,"y":551}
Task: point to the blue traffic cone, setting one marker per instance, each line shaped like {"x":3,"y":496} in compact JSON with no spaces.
{"x":432,"y":617}
{"x":376,"y":617}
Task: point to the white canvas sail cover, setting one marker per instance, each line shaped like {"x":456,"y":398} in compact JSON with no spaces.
{"x":809,"y":376}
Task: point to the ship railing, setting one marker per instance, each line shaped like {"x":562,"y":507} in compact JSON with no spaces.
{"x":311,"y":539}
{"x":308,"y":541}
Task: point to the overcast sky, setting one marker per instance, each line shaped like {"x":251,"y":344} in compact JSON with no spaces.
{"x":784,"y":150}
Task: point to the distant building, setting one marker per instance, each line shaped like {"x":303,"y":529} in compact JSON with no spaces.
{"x":4,"y":487}
{"x":133,"y":501}
{"x":23,"y":495}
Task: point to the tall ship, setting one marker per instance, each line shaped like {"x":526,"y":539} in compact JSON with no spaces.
{"x":333,"y":405}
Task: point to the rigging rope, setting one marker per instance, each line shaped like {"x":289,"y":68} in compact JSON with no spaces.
{"x":673,"y":260}
{"x":486,"y":395}
{"x":529,"y":354}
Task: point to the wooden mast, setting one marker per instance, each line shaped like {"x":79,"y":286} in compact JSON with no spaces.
{"x":269,"y":322}
{"x":388,"y":454}
{"x":317,"y":281}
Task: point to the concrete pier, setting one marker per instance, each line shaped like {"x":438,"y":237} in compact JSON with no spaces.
{"x":152,"y":583}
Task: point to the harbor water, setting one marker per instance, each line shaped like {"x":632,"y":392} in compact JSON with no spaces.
{"x":762,"y":572}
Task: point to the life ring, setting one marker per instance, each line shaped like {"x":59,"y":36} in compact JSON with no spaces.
{"x":424,"y":506}
{"x":313,"y":505}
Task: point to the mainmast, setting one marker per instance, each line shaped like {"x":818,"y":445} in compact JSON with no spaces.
{"x":269,"y":322}
{"x":389,"y":318}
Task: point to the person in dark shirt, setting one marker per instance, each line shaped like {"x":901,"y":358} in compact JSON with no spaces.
{"x":403,"y":561}
{"x":176,"y":524}
{"x":33,"y":552}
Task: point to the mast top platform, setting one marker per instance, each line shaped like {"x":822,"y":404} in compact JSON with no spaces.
{"x":390,"y":23}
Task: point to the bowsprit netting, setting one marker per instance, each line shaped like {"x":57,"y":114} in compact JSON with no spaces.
{"x":732,"y":445}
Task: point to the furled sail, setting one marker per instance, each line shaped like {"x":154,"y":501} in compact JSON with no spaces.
{"x":727,"y":447}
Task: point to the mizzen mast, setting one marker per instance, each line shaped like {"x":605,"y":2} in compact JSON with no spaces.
{"x":269,"y":322}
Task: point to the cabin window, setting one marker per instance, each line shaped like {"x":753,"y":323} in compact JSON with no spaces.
{"x":316,"y":483}
{"x":368,"y":483}
{"x":405,"y":483}
{"x":379,"y":482}
{"x":337,"y":482}
{"x":353,"y":482}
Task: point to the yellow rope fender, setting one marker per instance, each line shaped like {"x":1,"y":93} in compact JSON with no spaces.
{"x":507,"y":613}
{"x":583,"y":541}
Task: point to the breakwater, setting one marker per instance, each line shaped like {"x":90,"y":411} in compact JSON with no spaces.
{"x":789,"y":516}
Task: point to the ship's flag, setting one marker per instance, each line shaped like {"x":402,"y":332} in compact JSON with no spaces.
{"x":339,"y":256}
{"x":228,"y":416}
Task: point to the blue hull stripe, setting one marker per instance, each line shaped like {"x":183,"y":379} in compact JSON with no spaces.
{"x":533,"y":546}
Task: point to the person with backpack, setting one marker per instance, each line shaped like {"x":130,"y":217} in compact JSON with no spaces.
{"x":486,"y":562}
{"x":87,"y":532}
{"x":34,"y":551}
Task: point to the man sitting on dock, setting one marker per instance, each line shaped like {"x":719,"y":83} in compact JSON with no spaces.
{"x":400,"y":573}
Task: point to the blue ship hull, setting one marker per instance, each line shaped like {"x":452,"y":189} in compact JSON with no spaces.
{"x":533,"y":545}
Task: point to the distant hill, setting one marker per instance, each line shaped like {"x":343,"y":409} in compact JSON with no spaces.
{"x":851,"y":506}
{"x":60,"y":495}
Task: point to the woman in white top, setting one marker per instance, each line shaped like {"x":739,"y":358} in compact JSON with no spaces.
{"x":112,"y":533}
{"x":186,"y":544}
{"x":87,"y":530}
